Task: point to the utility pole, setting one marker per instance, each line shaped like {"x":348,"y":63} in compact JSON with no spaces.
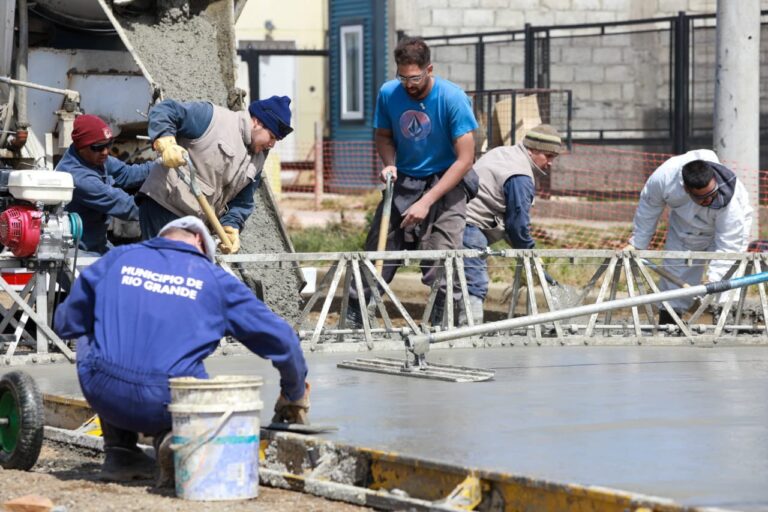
{"x":737,"y":94}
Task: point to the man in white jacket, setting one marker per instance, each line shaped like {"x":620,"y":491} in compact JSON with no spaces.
{"x":709,"y":210}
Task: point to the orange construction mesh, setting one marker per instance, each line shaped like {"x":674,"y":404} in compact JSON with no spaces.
{"x":587,"y":201}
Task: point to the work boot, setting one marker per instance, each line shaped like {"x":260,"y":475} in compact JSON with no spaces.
{"x":476,"y":306}
{"x":123,"y":460}
{"x":665,"y":318}
{"x":438,"y":311}
{"x":354,"y":318}
{"x":166,"y":476}
{"x":125,"y":465}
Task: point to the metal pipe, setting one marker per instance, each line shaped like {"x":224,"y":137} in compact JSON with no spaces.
{"x":66,"y":92}
{"x":419,"y":343}
{"x":664,"y":273}
{"x":22,"y":120}
{"x":473,"y":253}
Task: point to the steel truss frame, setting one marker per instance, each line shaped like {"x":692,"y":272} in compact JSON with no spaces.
{"x":617,"y":271}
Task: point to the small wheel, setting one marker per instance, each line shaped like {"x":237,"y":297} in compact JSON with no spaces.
{"x":21,"y":421}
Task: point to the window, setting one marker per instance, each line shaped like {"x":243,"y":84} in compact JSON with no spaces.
{"x":352,"y":72}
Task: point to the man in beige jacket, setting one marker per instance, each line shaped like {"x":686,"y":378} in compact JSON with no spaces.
{"x":501,"y":208}
{"x":227,"y":148}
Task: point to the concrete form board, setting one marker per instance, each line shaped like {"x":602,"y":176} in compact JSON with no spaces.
{"x":689,"y":424}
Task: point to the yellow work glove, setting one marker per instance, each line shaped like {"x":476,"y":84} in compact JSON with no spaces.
{"x":234,"y":240}
{"x":171,"y":153}
{"x":296,"y":411}
{"x":628,"y":247}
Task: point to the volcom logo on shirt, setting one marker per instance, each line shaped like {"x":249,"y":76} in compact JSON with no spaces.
{"x":415,"y":125}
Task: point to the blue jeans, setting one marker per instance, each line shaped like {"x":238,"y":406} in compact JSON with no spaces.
{"x":476,"y":269}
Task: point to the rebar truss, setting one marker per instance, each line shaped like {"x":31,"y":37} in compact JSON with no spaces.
{"x":618,"y":274}
{"x":735,"y":318}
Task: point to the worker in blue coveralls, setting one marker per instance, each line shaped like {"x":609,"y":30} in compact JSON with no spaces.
{"x":424,"y":136}
{"x":502,"y":207}
{"x":228,"y":148}
{"x":154,"y":310}
{"x":101,"y":181}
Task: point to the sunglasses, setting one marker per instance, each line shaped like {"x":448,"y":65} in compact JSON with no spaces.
{"x":415,"y":79}
{"x":703,"y":198}
{"x":285,"y":129}
{"x":98,"y":148}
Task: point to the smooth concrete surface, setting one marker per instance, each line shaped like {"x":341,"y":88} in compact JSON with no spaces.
{"x":689,"y":424}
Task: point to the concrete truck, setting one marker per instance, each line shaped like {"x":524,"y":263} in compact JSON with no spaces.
{"x":115,"y":59}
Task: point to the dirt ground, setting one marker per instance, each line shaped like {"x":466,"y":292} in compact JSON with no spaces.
{"x":67,"y":476}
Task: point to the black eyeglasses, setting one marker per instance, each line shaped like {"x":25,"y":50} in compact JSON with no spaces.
{"x":98,"y":148}
{"x":285,"y":129}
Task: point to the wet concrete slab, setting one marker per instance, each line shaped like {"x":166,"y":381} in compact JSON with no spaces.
{"x":684,"y":423}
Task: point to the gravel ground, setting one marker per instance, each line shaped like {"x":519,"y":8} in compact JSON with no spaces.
{"x":68,"y":477}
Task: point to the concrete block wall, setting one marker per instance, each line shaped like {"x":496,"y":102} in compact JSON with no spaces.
{"x":618,"y":81}
{"x":440,"y":17}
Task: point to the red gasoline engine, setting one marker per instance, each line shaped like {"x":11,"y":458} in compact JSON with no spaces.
{"x":33,"y":222}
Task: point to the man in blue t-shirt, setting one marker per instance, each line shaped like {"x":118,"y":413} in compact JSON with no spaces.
{"x":424,"y":137}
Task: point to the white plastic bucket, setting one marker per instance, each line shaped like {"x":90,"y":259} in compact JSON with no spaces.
{"x":216,"y":437}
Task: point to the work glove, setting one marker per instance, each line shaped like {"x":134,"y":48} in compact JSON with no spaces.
{"x":296,"y":411}
{"x":628,"y":247}
{"x":171,"y":153}
{"x":234,"y":240}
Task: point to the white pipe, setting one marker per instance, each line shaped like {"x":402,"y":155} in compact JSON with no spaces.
{"x":66,"y":92}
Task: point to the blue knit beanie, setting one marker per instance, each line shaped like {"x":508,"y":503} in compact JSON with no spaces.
{"x":274,"y":113}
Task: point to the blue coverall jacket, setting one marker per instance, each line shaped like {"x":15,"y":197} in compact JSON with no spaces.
{"x":150,"y":311}
{"x":98,"y":195}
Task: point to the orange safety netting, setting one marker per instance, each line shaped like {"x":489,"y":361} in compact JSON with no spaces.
{"x":587,"y":201}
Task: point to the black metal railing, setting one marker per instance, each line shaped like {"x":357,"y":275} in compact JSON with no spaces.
{"x":504,"y":115}
{"x":665,"y":101}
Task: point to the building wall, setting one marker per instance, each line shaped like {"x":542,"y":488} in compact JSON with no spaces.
{"x":620,"y":81}
{"x":305,"y":23}
{"x":440,"y":17}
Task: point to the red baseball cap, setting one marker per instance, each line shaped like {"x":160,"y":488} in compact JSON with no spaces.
{"x":89,"y":130}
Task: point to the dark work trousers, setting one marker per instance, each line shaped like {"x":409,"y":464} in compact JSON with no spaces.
{"x":442,"y":229}
{"x":152,"y":217}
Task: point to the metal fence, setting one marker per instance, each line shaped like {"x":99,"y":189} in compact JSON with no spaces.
{"x":647,"y":82}
{"x":505,"y":115}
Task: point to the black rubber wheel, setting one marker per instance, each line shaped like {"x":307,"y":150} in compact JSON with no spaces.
{"x":21,"y":421}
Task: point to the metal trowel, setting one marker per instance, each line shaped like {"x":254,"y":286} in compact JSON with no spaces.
{"x":297,"y":428}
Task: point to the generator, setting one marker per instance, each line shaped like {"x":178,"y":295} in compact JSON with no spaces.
{"x":33,"y":223}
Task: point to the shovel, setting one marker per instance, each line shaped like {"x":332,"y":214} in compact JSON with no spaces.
{"x":210,"y":215}
{"x":384,"y":225}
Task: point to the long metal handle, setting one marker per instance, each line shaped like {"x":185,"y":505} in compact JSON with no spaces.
{"x":419,"y":343}
{"x":384,"y":225}
{"x":664,"y":273}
